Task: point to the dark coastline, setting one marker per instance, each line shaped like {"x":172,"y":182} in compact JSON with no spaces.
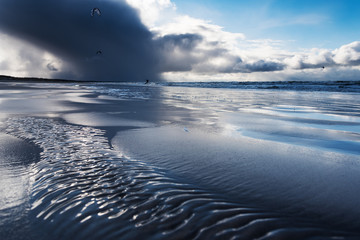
{"x":5,"y":78}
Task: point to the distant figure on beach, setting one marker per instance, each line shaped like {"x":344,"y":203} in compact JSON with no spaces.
{"x":95,"y":11}
{"x":147,"y":81}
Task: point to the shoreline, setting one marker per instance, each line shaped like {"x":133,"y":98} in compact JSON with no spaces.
{"x":351,"y":86}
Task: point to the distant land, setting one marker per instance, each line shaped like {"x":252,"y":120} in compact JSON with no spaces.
{"x":4,"y":78}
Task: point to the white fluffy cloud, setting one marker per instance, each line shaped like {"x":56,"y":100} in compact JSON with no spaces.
{"x":347,"y":55}
{"x":152,"y":11}
{"x":315,"y":58}
{"x":199,"y":46}
{"x":192,"y":48}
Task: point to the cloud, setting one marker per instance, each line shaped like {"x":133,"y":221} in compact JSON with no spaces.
{"x":152,"y":11}
{"x":19,"y":58}
{"x":146,"y":39}
{"x":66,"y":30}
{"x":198,"y":46}
{"x":294,"y":21}
{"x":261,"y":66}
{"x":183,"y":24}
{"x":216,"y":51}
{"x":316,"y":58}
{"x":178,"y":51}
{"x":346,"y":56}
{"x":192,"y":52}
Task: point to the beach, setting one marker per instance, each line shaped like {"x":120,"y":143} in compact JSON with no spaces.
{"x":102,"y":160}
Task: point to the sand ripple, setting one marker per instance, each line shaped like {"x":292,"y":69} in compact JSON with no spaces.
{"x":83,"y":189}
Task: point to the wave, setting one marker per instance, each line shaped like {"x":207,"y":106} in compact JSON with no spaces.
{"x":332,"y":86}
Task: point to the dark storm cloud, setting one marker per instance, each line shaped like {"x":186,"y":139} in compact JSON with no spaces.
{"x":177,"y":51}
{"x":66,"y":29}
{"x":4,"y":65}
{"x":185,"y":42}
{"x":261,"y":66}
{"x":191,"y":52}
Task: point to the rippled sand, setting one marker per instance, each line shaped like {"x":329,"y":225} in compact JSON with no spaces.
{"x":123,"y":162}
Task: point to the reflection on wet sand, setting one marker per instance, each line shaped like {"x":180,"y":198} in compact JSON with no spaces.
{"x":16,"y":160}
{"x":135,"y":161}
{"x":85,"y":190}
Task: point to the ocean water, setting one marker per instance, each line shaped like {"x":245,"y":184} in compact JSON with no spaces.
{"x":328,"y":86}
{"x":158,"y":161}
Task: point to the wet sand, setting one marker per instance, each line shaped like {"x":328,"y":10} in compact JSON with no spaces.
{"x":130,"y":161}
{"x":16,"y":158}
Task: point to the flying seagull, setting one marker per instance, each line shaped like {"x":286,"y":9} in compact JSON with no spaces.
{"x":95,"y":11}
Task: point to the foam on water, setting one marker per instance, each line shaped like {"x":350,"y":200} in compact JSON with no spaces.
{"x":84,"y":189}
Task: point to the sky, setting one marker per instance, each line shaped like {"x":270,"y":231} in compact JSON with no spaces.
{"x":181,"y":40}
